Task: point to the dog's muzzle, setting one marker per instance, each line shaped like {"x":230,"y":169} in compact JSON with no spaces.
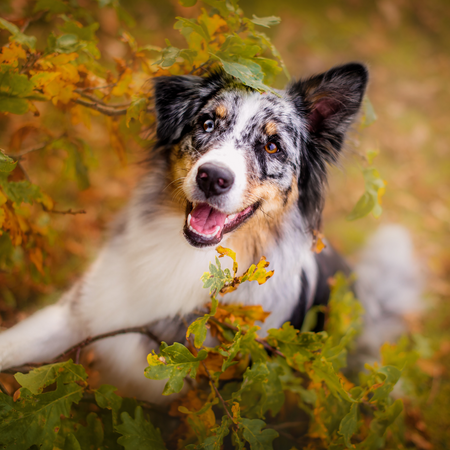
{"x":205,"y":224}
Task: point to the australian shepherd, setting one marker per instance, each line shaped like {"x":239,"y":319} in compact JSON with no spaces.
{"x":232,"y":167}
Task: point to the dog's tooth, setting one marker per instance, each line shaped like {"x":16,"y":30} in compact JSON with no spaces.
{"x":189,"y":220}
{"x":231,"y":217}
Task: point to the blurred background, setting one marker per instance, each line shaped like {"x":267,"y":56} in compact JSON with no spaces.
{"x":405,"y":44}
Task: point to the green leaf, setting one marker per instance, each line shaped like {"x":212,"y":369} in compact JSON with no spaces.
{"x":349,"y":425}
{"x":266,"y":21}
{"x":106,"y":398}
{"x":17,"y":35}
{"x":71,"y":443}
{"x":291,"y":342}
{"x":392,"y":375}
{"x":13,"y":105}
{"x":52,"y":6}
{"x":214,"y":442}
{"x":246,"y":70}
{"x":139,"y":433}
{"x":198,"y":327}
{"x":257,"y":438}
{"x":135,"y":109}
{"x":198,"y":28}
{"x":67,"y":43}
{"x":14,"y":88}
{"x":261,"y":390}
{"x":322,"y":370}
{"x":43,"y":376}
{"x":83,"y":33}
{"x":35,"y":420}
{"x":92,"y":435}
{"x":370,"y":200}
{"x":383,"y":419}
{"x":369,"y":115}
{"x":21,"y":191}
{"x":7,"y":164}
{"x":174,"y":362}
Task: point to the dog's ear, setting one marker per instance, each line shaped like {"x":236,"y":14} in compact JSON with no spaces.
{"x":178,"y":99}
{"x":329,"y":103}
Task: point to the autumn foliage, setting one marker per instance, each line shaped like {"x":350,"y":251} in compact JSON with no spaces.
{"x":282,"y":391}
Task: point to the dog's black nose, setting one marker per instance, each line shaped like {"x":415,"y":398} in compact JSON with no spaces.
{"x":214,"y":180}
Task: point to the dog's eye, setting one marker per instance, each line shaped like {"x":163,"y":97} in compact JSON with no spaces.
{"x":271,"y":148}
{"x":208,"y":125}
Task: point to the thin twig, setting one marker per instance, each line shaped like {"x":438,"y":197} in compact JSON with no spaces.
{"x":68,"y":211}
{"x":107,"y":110}
{"x":203,"y":67}
{"x":224,"y":404}
{"x":93,"y":88}
{"x":95,"y":99}
{"x":88,"y":341}
{"x":28,"y":150}
{"x":31,"y":19}
{"x":282,"y":426}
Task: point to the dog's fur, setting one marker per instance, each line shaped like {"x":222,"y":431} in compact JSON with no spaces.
{"x":149,"y":271}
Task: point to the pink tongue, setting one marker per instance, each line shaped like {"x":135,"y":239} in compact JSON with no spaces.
{"x":205,"y":219}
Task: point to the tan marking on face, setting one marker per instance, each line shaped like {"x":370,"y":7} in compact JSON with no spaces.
{"x":180,"y":165}
{"x":221,"y":111}
{"x":252,"y":239}
{"x":271,"y":128}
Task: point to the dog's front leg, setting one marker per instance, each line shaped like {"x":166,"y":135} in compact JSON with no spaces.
{"x":42,"y":336}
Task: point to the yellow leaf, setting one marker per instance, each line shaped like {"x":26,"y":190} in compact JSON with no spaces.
{"x":59,"y":59}
{"x":318,"y":244}
{"x":228,"y":252}
{"x":36,"y":257}
{"x":2,"y":218}
{"x":12,"y":54}
{"x":3,"y":198}
{"x":69,"y":73}
{"x":123,"y":85}
{"x":381,"y":192}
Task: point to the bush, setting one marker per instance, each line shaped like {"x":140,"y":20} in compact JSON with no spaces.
{"x":284,"y":390}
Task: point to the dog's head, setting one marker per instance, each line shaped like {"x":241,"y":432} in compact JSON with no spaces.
{"x":239,"y":155}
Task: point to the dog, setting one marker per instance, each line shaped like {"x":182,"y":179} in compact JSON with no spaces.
{"x":233,"y":167}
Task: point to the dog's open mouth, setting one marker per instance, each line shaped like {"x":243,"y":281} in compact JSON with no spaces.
{"x":206,"y":225}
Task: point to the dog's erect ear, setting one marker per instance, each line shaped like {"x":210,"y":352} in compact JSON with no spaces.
{"x":330,"y":103}
{"x":178,"y":99}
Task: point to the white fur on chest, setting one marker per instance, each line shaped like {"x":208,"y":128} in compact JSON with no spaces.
{"x":149,"y":272}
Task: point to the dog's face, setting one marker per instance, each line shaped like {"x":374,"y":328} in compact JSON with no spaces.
{"x":239,"y":156}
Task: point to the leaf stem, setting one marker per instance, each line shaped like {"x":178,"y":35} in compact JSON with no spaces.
{"x":211,"y":382}
{"x":266,"y":345}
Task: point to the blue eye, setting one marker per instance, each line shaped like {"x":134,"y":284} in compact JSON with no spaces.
{"x":208,"y":126}
{"x":271,"y":147}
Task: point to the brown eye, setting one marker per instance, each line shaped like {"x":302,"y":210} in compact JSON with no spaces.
{"x":271,"y":147}
{"x":208,"y":125}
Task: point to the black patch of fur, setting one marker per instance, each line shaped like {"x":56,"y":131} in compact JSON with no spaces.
{"x":178,"y":100}
{"x":298,"y":315}
{"x":330,"y":103}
